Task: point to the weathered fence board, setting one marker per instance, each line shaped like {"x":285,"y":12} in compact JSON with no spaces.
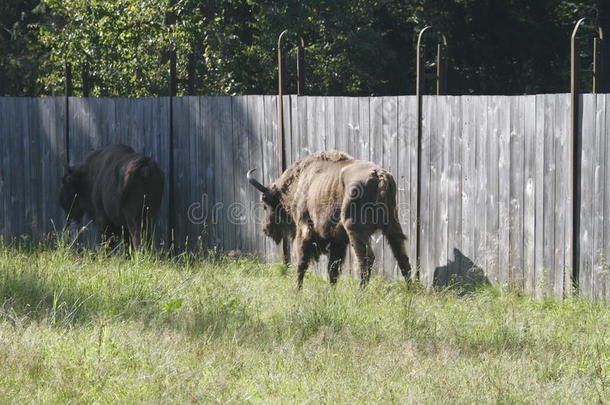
{"x":494,"y":174}
{"x":32,"y":154}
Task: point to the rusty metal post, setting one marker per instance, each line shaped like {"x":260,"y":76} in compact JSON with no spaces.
{"x":280,"y":103}
{"x":170,"y":20}
{"x":280,"y":110}
{"x":3,"y":85}
{"x":68,"y":80}
{"x":598,"y":45}
{"x":574,"y":158}
{"x":280,"y":125}
{"x":419,"y":89}
{"x":68,"y":93}
{"x":301,"y":67}
{"x":441,"y":67}
{"x":85,"y":77}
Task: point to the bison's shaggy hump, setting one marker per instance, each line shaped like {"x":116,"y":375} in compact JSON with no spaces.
{"x":291,"y":175}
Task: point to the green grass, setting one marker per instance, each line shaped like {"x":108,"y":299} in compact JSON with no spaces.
{"x":93,"y":328}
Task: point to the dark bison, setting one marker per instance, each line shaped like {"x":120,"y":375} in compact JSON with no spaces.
{"x":327,"y":200}
{"x":119,"y":189}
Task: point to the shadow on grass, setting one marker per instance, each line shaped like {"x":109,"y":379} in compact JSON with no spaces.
{"x":29,"y":294}
{"x":24,"y":295}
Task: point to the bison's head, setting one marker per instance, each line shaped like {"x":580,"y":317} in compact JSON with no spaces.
{"x":70,"y":194}
{"x":277,"y":223}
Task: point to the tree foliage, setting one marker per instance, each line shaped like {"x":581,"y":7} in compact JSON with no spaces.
{"x":353,"y":47}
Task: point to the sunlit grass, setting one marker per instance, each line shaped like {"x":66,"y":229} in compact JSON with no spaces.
{"x":98,"y":327}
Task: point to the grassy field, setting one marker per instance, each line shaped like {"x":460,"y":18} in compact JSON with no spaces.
{"x":92,"y":328}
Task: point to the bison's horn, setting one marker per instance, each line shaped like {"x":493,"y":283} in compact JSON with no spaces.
{"x":255,"y":182}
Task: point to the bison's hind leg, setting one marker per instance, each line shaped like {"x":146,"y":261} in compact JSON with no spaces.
{"x":336,"y":256}
{"x":396,"y":239}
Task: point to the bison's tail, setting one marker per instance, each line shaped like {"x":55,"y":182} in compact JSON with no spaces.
{"x":386,"y":187}
{"x":387,"y":193}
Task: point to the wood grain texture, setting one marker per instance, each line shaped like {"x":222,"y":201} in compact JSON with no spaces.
{"x":529,"y":193}
{"x":494,"y":173}
{"x":586,"y":198}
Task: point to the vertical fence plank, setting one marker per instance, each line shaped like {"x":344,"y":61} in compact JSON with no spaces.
{"x":303,"y":144}
{"x":561,"y":282}
{"x":257,"y":154}
{"x":181,"y":172}
{"x":439,"y":198}
{"x":253,"y":155}
{"x":376,"y":156}
{"x":454,"y":191}
{"x":35,"y":161}
{"x":272,"y":168}
{"x":5,"y":150}
{"x":362,"y":152}
{"x":390,"y":163}
{"x":240,"y":159}
{"x":194,"y":193}
{"x":539,"y":278}
{"x":492,"y":207}
{"x":427,"y":154}
{"x":23,"y":134}
{"x":340,"y":129}
{"x":549,"y":192}
{"x":516,"y":173}
{"x":228,"y":170}
{"x":597,"y":198}
{"x":504,"y":189}
{"x":468,"y":159}
{"x":407,"y":132}
{"x":587,"y":179}
{"x":529,"y":193}
{"x":353,"y":128}
{"x":330,"y":143}
{"x":480,"y":120}
{"x":287,"y":100}
{"x":604,"y":275}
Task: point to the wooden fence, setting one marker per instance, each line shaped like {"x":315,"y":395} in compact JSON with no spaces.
{"x":494,"y":173}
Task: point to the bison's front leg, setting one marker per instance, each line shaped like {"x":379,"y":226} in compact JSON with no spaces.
{"x":336,"y":256}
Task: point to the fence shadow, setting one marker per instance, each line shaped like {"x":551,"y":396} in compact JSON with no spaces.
{"x":461,"y":274}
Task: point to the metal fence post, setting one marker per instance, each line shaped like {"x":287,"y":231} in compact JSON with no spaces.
{"x":68,"y":93}
{"x":598,"y":45}
{"x":575,"y":141}
{"x":301,"y":67}
{"x":170,"y":20}
{"x":3,"y":85}
{"x":86,"y":79}
{"x":419,"y":84}
{"x":280,"y":111}
{"x":441,"y":66}
{"x":441,"y":88}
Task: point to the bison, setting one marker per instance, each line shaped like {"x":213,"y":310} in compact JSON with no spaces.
{"x":117,"y":188}
{"x":328,"y":200}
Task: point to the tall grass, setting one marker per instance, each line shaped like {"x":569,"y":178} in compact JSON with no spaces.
{"x":99,"y":327}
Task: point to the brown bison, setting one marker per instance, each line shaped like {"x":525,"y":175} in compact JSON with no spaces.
{"x":327,"y":200}
{"x":119,"y":189}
